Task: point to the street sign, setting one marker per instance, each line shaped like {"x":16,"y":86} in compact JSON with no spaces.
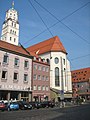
{"x":61,"y":94}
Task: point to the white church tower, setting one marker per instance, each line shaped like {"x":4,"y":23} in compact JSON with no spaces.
{"x":10,"y":28}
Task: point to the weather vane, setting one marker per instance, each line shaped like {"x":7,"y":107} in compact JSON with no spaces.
{"x":13,"y":4}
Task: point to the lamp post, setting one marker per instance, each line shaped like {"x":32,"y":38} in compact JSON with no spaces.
{"x":62,"y":85}
{"x":28,"y":93}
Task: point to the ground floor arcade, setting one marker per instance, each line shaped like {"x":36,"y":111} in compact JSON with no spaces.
{"x":18,"y":95}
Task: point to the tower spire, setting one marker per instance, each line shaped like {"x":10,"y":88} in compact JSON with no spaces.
{"x":13,"y":5}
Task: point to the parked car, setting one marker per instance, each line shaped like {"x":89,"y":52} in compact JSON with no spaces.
{"x":35,"y":104}
{"x":24,"y":105}
{"x":13,"y":106}
{"x":2,"y":106}
{"x":47,"y":104}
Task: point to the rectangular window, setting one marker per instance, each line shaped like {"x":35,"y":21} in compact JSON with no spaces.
{"x":5,"y":59}
{"x":14,"y":39}
{"x":43,"y":77}
{"x":4,"y":74}
{"x":16,"y":62}
{"x":47,"y":69}
{"x":64,"y":61}
{"x":47,"y":88}
{"x":34,"y":87}
{"x":26,"y":64}
{"x":39,"y":67}
{"x":39,"y":87}
{"x":35,"y":66}
{"x":43,"y":88}
{"x":39,"y":77}
{"x":15,"y":76}
{"x":46,"y":78}
{"x":35,"y":77}
{"x":25,"y":77}
{"x":43,"y":68}
{"x":10,"y":38}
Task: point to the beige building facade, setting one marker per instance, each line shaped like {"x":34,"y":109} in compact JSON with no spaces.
{"x":15,"y":72}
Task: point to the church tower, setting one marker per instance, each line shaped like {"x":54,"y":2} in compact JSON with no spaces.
{"x":10,"y":27}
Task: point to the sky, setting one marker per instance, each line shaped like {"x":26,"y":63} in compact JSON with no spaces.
{"x":42,"y":19}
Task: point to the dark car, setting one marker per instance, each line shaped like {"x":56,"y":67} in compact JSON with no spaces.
{"x":35,"y":104}
{"x":47,"y":104}
{"x":24,"y":105}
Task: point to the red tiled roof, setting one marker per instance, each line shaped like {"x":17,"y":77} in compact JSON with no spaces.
{"x":81,"y":75}
{"x":13,"y":48}
{"x":53,"y":44}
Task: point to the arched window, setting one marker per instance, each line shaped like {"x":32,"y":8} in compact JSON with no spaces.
{"x":57,"y":81}
{"x":56,"y":60}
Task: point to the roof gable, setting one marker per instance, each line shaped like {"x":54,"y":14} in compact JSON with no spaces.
{"x":53,"y":44}
{"x":13,"y":48}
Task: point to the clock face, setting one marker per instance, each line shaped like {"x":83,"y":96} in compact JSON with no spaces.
{"x":56,"y":60}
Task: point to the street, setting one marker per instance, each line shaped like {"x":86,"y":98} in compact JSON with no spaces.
{"x":81,"y":112}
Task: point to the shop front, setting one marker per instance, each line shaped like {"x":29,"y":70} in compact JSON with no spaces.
{"x":15,"y":95}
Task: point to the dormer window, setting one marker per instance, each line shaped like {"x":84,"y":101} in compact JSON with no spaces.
{"x":34,"y":58}
{"x":39,"y":59}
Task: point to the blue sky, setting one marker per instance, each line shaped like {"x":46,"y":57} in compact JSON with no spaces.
{"x":74,"y":31}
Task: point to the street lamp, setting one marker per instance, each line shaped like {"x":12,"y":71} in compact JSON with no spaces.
{"x":28,"y":92}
